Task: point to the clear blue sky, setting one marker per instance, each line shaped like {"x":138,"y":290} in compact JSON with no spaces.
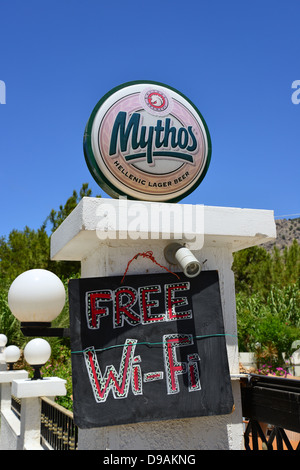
{"x":236,"y":60}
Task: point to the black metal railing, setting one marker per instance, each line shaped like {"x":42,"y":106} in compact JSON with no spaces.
{"x":16,"y":406}
{"x":58,"y":430}
{"x":272,"y":400}
{"x":275,"y":438}
{"x":57,"y":426}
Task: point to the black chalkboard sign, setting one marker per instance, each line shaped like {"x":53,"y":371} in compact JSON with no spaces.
{"x":151,"y":348}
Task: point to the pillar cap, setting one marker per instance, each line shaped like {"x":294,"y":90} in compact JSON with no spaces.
{"x":78,"y":236}
{"x":8,"y":376}
{"x":49,"y":387}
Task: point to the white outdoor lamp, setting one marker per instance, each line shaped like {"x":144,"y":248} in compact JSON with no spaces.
{"x":3,"y":342}
{"x":11,"y":355}
{"x":36,"y":353}
{"x":175,"y":253}
{"x":36,"y":297}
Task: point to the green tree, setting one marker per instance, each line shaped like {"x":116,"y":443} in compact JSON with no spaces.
{"x":23,"y":250}
{"x":256,"y":270}
{"x":252,"y":270}
{"x":57,"y":217}
{"x":291,"y":257}
{"x":9,"y":325}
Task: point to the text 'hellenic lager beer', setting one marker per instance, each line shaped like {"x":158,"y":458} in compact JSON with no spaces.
{"x":147,"y":141}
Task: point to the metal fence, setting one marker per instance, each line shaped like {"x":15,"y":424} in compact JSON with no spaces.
{"x":58,"y":431}
{"x":57,"y":426}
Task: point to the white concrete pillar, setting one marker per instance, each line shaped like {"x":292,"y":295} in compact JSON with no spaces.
{"x":10,"y":424}
{"x":30,"y":423}
{"x":221,"y":231}
{"x":30,"y":392}
{"x":6,"y":379}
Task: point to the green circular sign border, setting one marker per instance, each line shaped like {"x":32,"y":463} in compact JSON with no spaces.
{"x":93,"y":167}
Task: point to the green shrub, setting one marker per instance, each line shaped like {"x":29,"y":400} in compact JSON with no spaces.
{"x":269,"y":326}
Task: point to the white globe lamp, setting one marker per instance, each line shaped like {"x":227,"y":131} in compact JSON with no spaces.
{"x":36,"y":297}
{"x":37,"y":352}
{"x":3,"y":341}
{"x":11,"y":355}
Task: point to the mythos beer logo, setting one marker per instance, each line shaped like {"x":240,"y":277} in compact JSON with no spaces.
{"x":147,"y":141}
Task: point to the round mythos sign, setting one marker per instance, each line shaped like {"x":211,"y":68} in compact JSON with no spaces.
{"x":147,"y":141}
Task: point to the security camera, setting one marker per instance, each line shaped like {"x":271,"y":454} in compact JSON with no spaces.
{"x":182,"y":256}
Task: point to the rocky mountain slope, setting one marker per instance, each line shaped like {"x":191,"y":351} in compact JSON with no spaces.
{"x":287,"y":231}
